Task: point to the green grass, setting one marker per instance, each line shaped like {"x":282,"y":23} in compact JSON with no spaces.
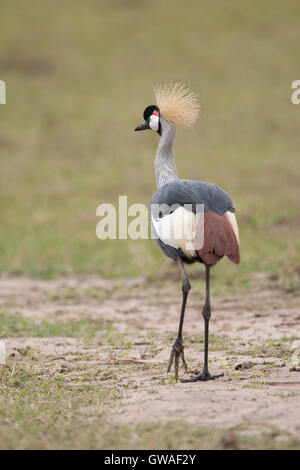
{"x":280,"y":349}
{"x":78,"y":79}
{"x":18,"y":325}
{"x":46,"y":412}
{"x":216,"y":343}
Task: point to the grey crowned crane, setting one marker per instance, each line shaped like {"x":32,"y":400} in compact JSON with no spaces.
{"x":177,"y":200}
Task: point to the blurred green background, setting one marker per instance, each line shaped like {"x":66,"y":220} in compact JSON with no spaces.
{"x":78,"y":77}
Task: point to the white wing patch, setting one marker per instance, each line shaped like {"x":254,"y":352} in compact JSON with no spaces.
{"x":234,"y":225}
{"x":178,"y":230}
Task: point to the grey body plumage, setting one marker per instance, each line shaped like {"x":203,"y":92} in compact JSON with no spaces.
{"x":193,"y":192}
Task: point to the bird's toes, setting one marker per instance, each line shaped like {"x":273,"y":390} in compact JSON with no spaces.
{"x":183,"y":361}
{"x":176,"y":355}
{"x":171,"y":360}
{"x":176,"y":366}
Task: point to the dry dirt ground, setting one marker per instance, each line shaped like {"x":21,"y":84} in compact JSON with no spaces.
{"x":116,"y":335}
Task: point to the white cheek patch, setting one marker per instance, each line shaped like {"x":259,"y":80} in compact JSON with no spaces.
{"x":154,"y":122}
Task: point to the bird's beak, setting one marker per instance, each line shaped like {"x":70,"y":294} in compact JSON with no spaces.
{"x":143,"y":126}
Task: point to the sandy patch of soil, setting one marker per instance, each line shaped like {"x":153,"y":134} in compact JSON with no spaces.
{"x":251,"y":343}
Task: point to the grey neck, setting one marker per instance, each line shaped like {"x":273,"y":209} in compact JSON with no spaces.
{"x":165,"y":167}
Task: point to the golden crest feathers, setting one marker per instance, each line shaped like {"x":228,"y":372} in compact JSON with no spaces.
{"x":177,"y":103}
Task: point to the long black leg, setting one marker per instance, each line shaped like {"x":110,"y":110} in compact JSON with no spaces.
{"x":178,"y":348}
{"x":206,"y":312}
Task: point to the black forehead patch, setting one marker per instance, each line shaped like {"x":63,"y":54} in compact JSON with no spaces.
{"x":149,"y":111}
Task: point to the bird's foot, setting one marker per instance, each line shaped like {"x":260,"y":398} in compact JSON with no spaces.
{"x":176,"y":353}
{"x":204,"y":376}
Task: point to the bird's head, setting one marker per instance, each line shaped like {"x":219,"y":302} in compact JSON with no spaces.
{"x":152,"y":120}
{"x":176,"y":105}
